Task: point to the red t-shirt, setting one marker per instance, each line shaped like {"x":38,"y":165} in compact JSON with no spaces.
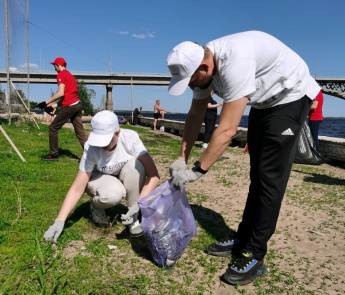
{"x":71,"y":87}
{"x":316,"y":115}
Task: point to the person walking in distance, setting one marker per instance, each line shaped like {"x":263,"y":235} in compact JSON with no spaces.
{"x":71,"y":109}
{"x":257,"y":69}
{"x":210,"y":120}
{"x":316,"y":118}
{"x":157,"y":112}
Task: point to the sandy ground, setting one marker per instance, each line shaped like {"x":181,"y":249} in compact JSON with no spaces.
{"x":309,"y":240}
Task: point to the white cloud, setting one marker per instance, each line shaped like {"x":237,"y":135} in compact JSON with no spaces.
{"x":135,"y":35}
{"x":32,"y":66}
{"x":139,"y":36}
{"x":143,"y":36}
{"x":122,"y":32}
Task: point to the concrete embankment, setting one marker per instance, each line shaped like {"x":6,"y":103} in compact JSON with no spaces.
{"x":330,"y":147}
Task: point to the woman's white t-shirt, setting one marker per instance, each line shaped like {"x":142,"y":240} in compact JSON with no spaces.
{"x":257,"y":65}
{"x":128,"y":146}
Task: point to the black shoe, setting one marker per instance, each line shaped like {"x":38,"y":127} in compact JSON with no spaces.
{"x":50,"y":157}
{"x":223,"y":247}
{"x":244,"y":269}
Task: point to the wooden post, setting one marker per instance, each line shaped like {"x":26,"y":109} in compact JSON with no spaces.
{"x":11,"y":143}
{"x":24,"y":105}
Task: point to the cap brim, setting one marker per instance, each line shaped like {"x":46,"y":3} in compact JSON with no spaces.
{"x":178,"y":87}
{"x":100,"y":140}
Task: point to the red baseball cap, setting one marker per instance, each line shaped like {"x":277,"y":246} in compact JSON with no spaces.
{"x":59,"y":61}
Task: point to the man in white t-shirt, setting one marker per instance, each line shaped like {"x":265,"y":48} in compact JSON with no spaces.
{"x":249,"y":68}
{"x":115,"y":165}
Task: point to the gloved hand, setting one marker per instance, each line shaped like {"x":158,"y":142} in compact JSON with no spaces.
{"x":184,"y":176}
{"x":42,"y":105}
{"x":49,"y":110}
{"x":179,"y":164}
{"x":54,"y":231}
{"x":131,"y":215}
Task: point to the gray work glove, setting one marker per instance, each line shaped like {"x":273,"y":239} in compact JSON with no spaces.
{"x":179,"y":164}
{"x":184,"y":176}
{"x":54,"y":231}
{"x":131,"y":215}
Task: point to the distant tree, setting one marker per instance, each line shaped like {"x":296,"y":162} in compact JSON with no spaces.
{"x":15,"y":98}
{"x":85,"y":96}
{"x":33,"y":104}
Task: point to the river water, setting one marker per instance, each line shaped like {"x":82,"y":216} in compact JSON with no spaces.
{"x":331,"y":126}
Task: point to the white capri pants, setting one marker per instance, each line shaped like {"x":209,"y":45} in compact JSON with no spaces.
{"x":109,"y":190}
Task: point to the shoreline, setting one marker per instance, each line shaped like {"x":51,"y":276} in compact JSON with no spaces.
{"x":331,"y":148}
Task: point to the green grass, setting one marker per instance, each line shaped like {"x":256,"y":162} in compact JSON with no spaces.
{"x":82,"y":263}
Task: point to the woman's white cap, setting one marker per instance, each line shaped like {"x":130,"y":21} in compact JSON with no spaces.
{"x":104,"y":124}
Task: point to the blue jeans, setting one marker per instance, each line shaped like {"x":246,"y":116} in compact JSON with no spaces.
{"x":314,"y":129}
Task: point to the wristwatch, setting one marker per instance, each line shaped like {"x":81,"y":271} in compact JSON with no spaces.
{"x":197,"y":168}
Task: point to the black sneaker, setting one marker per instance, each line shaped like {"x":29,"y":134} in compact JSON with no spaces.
{"x":50,"y":157}
{"x":223,"y":247}
{"x":244,"y":269}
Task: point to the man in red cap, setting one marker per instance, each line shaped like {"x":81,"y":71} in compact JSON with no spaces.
{"x":71,"y":109}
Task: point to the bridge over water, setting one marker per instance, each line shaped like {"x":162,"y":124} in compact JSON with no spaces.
{"x":331,"y":86}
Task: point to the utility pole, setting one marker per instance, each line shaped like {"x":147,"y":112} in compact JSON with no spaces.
{"x":28,"y":52}
{"x":8,"y":96}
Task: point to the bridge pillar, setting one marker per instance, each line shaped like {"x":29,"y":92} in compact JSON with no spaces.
{"x":109,"y":102}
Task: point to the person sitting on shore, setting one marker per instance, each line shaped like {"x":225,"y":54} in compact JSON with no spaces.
{"x":122,"y":120}
{"x":136,"y":115}
{"x":115,"y":165}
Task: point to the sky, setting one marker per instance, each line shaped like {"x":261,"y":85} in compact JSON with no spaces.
{"x":136,"y":37}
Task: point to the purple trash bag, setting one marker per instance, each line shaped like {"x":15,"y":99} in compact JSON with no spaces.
{"x":168,"y":223}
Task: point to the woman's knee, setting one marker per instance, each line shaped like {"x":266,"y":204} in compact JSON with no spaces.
{"x":105,"y":190}
{"x":109,"y":199}
{"x":105,"y":198}
{"x":133,"y":168}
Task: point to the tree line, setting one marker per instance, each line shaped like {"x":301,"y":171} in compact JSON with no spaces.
{"x":86,"y":95}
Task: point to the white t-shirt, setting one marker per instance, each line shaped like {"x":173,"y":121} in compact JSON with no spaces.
{"x":259,"y":66}
{"x":128,"y":146}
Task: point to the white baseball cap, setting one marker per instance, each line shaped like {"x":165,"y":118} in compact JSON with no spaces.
{"x":182,"y":62}
{"x":104,"y":124}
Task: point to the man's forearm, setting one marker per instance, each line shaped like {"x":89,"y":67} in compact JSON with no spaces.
{"x":53,"y":98}
{"x":190,"y":134}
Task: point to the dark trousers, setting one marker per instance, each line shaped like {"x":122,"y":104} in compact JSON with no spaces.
{"x":73,"y":113}
{"x":314,"y":130}
{"x":272,"y":144}
{"x":135,"y":118}
{"x":210,"y":124}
